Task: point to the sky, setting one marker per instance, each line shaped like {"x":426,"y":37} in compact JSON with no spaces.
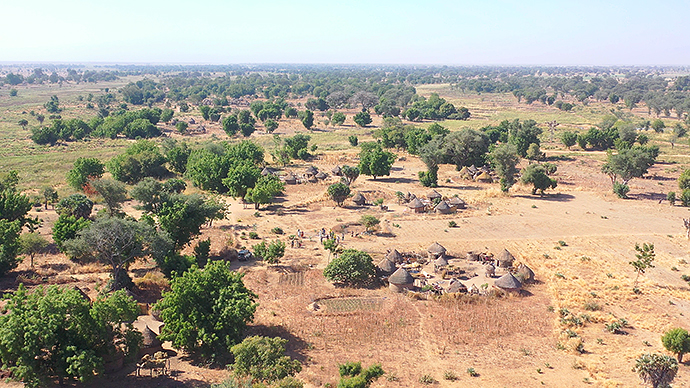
{"x":479,"y":32}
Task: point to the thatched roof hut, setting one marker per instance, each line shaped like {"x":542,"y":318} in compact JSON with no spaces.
{"x":440,"y":262}
{"x":400,"y":280}
{"x":505,"y":259}
{"x":472,"y":170}
{"x":436,"y":250}
{"x":267,"y":171}
{"x":465,"y":173}
{"x":508,"y":282}
{"x":311,"y":171}
{"x":433,"y":194}
{"x":525,"y":273}
{"x":150,"y":344}
{"x":386,"y":266}
{"x":321,"y":175}
{"x":457,"y":203}
{"x":394,"y":256}
{"x":443,"y":208}
{"x":337,"y":171}
{"x":455,"y":287}
{"x":359,"y":199}
{"x":484,"y":177}
{"x":416,"y":205}
{"x":290,"y":179}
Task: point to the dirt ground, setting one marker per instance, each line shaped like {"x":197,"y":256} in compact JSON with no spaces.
{"x":511,"y":341}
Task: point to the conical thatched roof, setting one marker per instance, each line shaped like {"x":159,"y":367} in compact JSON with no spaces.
{"x":457,"y":202}
{"x":441,"y":262}
{"x":311,"y":170}
{"x":464,"y":172}
{"x":433,"y":194}
{"x":267,"y":171}
{"x":484,"y":177}
{"x":386,"y":266}
{"x":290,"y":178}
{"x":336,"y":170}
{"x":456,"y":286}
{"x":415,"y":204}
{"x":436,"y":248}
{"x":443,"y":208}
{"x":150,"y":340}
{"x":321,"y":175}
{"x":401,"y":277}
{"x":508,"y":282}
{"x":472,"y":169}
{"x":525,"y":273}
{"x":505,"y":259}
{"x":394,"y":256}
{"x":359,"y":199}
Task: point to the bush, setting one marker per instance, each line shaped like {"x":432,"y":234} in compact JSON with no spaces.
{"x":277,"y":230}
{"x":253,"y":235}
{"x":452,"y":224}
{"x":427,"y":379}
{"x":206,"y":310}
{"x":270,"y":253}
{"x":352,"y":375}
{"x":264,"y":359}
{"x":685,"y":197}
{"x":656,"y":369}
{"x":353,"y":140}
{"x":684,"y":180}
{"x":671,"y":197}
{"x":677,"y":341}
{"x":621,"y":190}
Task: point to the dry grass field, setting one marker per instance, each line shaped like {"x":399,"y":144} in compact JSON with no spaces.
{"x":578,"y":240}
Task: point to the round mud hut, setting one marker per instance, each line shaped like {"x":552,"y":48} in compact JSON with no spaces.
{"x":465,"y":173}
{"x":443,"y":208}
{"x":321,"y":175}
{"x":484,"y":177}
{"x":311,"y":171}
{"x":457,"y":203}
{"x":359,"y":199}
{"x":386,"y":267}
{"x":508,"y":282}
{"x":394,"y":256}
{"x":433,"y":194}
{"x":400,"y":281}
{"x":525,"y":274}
{"x":435,"y":251}
{"x":290,"y":179}
{"x":416,"y":205}
{"x":150,"y":344}
{"x":505,"y":259}
{"x":456,"y":287}
{"x":337,"y":171}
{"x":440,"y":263}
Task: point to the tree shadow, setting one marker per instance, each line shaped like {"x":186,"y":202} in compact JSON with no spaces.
{"x":393,"y":180}
{"x":649,"y":196}
{"x":558,"y":197}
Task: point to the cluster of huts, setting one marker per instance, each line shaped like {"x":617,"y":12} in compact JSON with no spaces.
{"x":311,"y":174}
{"x":482,"y":174}
{"x":434,"y":202}
{"x":402,"y":277}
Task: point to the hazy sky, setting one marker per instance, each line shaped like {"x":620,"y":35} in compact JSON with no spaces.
{"x":566,"y":32}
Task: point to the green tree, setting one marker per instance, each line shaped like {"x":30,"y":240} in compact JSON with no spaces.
{"x":270,"y":125}
{"x":167,"y":115}
{"x":374,"y":161}
{"x":54,"y":333}
{"x":296,"y":146}
{"x":112,"y":192}
{"x":141,"y":128}
{"x":150,"y":193}
{"x":352,"y":375}
{"x":266,"y":188}
{"x":337,"y":119}
{"x":504,"y":159}
{"x":656,"y":370}
{"x":370,"y":222}
{"x":246,"y":122}
{"x":308,"y":119}
{"x":181,"y":126}
{"x":658,"y":125}
{"x":353,"y":140}
{"x":50,"y":195}
{"x":645,"y":257}
{"x":271,"y":252}
{"x":351,"y":268}
{"x":140,"y":160}
{"x":568,"y":139}
{"x":630,"y":163}
{"x":362,"y":118}
{"x":206,"y":311}
{"x":205,"y":111}
{"x":207,"y":169}
{"x":177,"y":154}
{"x":83,"y":170}
{"x":230,"y":125}
{"x":77,"y":205}
{"x":338,"y":192}
{"x":241,"y":177}
{"x":117,"y":242}
{"x":32,"y":244}
{"x":684,"y":180}
{"x":464,"y":147}
{"x":23,"y":123}
{"x":182,"y":216}
{"x":66,"y":228}
{"x":677,"y":341}
{"x":264,"y":359}
{"x":536,"y":175}
{"x":350,"y":174}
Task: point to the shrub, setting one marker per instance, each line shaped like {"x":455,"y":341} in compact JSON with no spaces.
{"x":621,"y":190}
{"x":472,"y":372}
{"x":656,"y":369}
{"x":450,"y":375}
{"x":677,"y":341}
{"x":452,"y":224}
{"x":671,"y":197}
{"x":277,"y":230}
{"x":253,"y":235}
{"x":427,"y":379}
{"x":353,"y":139}
{"x":351,"y":268}
{"x":270,"y":253}
{"x":264,"y":359}
{"x":592,"y":306}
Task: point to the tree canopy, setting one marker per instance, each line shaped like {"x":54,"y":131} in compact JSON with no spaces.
{"x":352,"y":268}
